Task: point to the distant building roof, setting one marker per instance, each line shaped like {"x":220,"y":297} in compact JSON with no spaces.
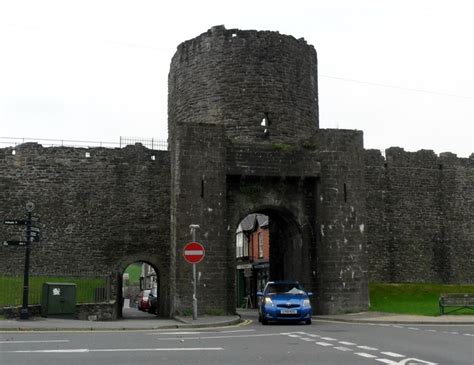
{"x":252,"y":221}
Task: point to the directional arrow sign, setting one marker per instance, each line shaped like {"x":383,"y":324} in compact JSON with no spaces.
{"x":193,"y":252}
{"x":14,"y":243}
{"x":14,"y":221}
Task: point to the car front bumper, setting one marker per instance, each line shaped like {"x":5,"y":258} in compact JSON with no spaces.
{"x":275,"y":314}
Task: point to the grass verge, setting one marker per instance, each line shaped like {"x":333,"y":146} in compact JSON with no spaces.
{"x":11,"y":288}
{"x":419,"y":299}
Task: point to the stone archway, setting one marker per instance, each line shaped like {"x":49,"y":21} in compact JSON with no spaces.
{"x":161,"y":283}
{"x":291,"y":254}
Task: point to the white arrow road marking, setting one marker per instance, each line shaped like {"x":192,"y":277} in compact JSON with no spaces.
{"x":34,"y":341}
{"x":120,"y":350}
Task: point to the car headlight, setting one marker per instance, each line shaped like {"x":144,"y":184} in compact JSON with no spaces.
{"x":306,"y":303}
{"x":268,"y":300}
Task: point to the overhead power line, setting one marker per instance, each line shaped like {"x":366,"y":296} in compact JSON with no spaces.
{"x":396,"y":87}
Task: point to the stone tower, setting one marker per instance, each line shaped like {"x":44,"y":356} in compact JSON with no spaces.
{"x":244,"y":138}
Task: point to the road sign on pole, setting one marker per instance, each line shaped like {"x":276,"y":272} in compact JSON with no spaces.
{"x":14,"y":243}
{"x":15,"y":222}
{"x":194,"y":252}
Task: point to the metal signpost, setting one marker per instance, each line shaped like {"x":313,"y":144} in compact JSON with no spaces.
{"x":194,"y":253}
{"x":32,"y":234}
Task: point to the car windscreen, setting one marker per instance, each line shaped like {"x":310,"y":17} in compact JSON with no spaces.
{"x":281,"y":288}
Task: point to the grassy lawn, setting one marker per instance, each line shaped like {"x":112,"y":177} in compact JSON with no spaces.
{"x":134,"y":271}
{"x":11,"y":288}
{"x":414,"y":298}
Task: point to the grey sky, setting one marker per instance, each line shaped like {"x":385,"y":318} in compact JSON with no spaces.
{"x":401,"y":71}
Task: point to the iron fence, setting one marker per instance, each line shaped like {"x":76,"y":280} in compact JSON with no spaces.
{"x":89,"y":289}
{"x":151,"y":143}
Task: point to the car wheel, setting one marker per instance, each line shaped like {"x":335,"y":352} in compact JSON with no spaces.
{"x":259,"y":318}
{"x":264,"y":321}
{"x":308,"y":321}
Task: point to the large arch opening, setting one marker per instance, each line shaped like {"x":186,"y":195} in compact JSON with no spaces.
{"x":139,"y":292}
{"x":269,"y":245}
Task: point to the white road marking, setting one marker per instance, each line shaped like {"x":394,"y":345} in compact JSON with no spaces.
{"x":469,"y":334}
{"x":367,"y":348}
{"x":413,"y":328}
{"x":342,"y":348}
{"x":431,"y":331}
{"x":387,"y":361}
{"x":363,"y":354}
{"x":120,"y":350}
{"x":397,"y":326}
{"x":328,"y":338}
{"x":347,"y":343}
{"x":218,"y":337}
{"x":324,"y":344}
{"x":454,"y":333}
{"x":311,"y":335}
{"x":307,"y":339}
{"x":174,"y":333}
{"x":392,"y":354}
{"x":33,"y":341}
{"x":293,"y":335}
{"x":196,"y":332}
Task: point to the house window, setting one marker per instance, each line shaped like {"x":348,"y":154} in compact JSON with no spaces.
{"x":239,"y":245}
{"x":260,"y":245}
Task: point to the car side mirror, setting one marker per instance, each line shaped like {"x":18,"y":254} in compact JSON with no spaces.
{"x":259,"y":294}
{"x":310,"y":294}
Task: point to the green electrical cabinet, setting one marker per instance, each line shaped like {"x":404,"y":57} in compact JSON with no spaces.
{"x":58,"y":299}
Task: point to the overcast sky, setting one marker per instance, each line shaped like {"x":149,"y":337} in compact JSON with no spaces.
{"x":399,"y":70}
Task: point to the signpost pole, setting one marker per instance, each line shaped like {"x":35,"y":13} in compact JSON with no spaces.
{"x":193,"y":232}
{"x":24,"y":314}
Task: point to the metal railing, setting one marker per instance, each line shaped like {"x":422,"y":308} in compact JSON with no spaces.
{"x":89,"y":289}
{"x":151,"y":143}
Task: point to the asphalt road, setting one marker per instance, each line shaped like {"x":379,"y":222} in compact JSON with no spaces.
{"x":251,"y":343}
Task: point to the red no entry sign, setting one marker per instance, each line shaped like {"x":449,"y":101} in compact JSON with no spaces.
{"x":193,"y":252}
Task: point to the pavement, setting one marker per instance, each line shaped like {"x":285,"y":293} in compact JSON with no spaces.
{"x":149,"y":322}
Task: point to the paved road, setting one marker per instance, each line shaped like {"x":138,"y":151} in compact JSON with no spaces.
{"x":323,"y":342}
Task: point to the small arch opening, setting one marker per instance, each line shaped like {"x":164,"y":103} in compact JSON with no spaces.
{"x":140,"y":291}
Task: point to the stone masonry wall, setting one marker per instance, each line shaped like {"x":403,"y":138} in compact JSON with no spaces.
{"x":420,"y":217}
{"x":239,"y":77}
{"x":98,"y":214}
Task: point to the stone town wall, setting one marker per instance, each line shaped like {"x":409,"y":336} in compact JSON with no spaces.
{"x":420,"y":216}
{"x":97,"y":214}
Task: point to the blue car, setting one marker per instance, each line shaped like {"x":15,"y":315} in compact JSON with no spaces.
{"x":284,"y":301}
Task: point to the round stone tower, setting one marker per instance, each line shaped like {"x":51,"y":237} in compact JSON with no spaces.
{"x":258,"y":85}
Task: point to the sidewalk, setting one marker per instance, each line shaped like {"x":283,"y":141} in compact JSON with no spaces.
{"x":153,"y":323}
{"x":377,"y":317}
